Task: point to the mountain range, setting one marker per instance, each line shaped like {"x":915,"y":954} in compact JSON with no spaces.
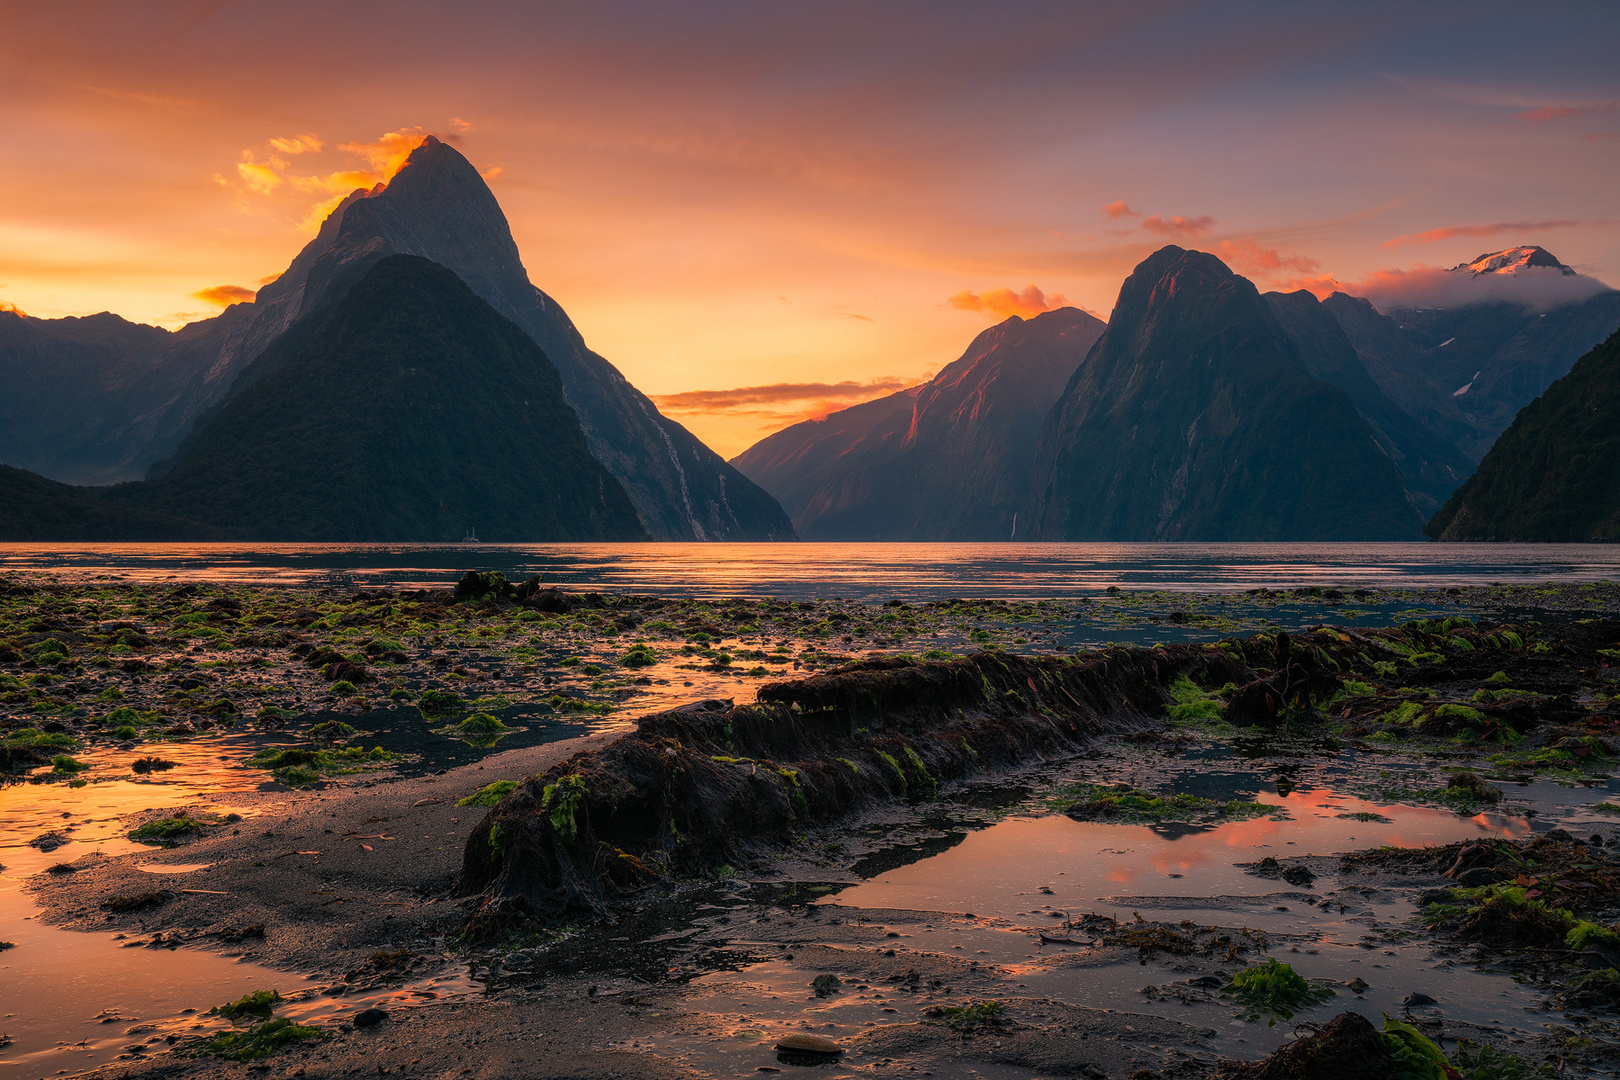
{"x":1193,"y":418}
{"x":1204,"y":411}
{"x":404,"y":380}
{"x":949,"y":460}
{"x":1555,"y":472}
{"x":142,"y":391}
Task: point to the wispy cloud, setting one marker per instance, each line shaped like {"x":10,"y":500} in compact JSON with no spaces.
{"x":1120,"y":209}
{"x":1493,"y":229}
{"x":710,"y":401}
{"x":225,"y":295}
{"x":1179,"y":227}
{"x":298,"y":144}
{"x":1004,"y":303}
{"x":1535,"y":288}
{"x":1566,"y":112}
{"x":1247,"y":257}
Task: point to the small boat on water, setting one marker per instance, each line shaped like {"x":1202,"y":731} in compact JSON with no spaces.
{"x":471,"y":537}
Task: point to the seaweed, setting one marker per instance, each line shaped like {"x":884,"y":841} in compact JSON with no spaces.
{"x":259,"y":1003}
{"x":168,"y":831}
{"x":1088,"y":802}
{"x":260,"y":1040}
{"x":489,"y":794}
{"x":1273,"y":989}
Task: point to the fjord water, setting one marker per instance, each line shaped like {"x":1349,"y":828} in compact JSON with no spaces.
{"x":855,"y":571}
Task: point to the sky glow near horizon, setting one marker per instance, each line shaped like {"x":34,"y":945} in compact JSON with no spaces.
{"x":760,"y":212}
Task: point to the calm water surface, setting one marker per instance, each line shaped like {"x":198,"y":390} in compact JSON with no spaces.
{"x":851,"y":571}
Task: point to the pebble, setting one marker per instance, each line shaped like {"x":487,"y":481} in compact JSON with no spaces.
{"x":1416,"y":1000}
{"x":802,"y":1043}
{"x":369,"y":1017}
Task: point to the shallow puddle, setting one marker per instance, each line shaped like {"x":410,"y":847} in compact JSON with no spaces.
{"x":1092,"y":866}
{"x":74,"y":1000}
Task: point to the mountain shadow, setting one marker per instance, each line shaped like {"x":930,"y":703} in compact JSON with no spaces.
{"x":1430,"y":467}
{"x":36,"y":509}
{"x":409,"y":410}
{"x":949,"y":460}
{"x":1192,"y":418}
{"x":1513,"y":322}
{"x":1554,"y":474}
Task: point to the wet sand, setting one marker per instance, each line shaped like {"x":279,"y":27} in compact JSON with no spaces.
{"x":353,"y":884}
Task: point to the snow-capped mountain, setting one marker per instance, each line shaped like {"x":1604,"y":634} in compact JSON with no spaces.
{"x":1512,"y":261}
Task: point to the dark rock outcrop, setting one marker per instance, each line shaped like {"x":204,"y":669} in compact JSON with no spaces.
{"x":949,"y":460}
{"x":1193,"y":418}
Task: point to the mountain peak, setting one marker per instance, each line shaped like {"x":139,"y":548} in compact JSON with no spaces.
{"x":1512,"y":260}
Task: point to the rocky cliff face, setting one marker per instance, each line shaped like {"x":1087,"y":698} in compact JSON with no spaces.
{"x":408,"y":409}
{"x":1193,"y":418}
{"x":949,"y":460}
{"x":1554,"y":474}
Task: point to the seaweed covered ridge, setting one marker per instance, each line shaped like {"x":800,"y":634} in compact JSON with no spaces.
{"x":710,"y":784}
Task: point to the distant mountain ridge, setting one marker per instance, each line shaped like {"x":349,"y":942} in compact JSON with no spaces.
{"x":1513,"y":260}
{"x":1430,"y":466}
{"x":1554,"y":475}
{"x":1193,"y":418}
{"x":1466,"y":368}
{"x":951,"y":459}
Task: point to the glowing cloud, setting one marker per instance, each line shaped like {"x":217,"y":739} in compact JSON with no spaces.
{"x":1566,"y":112}
{"x":1248,"y":258}
{"x":1004,"y":303}
{"x":711,"y":401}
{"x":388,"y":153}
{"x":260,"y":178}
{"x":298,"y":144}
{"x":1184,"y":228}
{"x":1494,"y":229}
{"x":6,"y":305}
{"x":1536,"y":288}
{"x":225,"y":295}
{"x":383,"y":158}
{"x":1117,"y":210}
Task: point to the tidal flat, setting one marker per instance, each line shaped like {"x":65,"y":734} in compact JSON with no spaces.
{"x":506,"y":830}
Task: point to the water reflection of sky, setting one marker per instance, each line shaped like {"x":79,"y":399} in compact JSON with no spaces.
{"x":996,"y":871}
{"x":75,"y":980}
{"x":854,"y":571}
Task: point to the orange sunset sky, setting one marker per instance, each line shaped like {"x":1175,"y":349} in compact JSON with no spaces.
{"x":804,"y":204}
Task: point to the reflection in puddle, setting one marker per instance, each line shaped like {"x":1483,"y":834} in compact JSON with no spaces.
{"x":999,"y":888}
{"x":997,"y":871}
{"x":90,"y":996}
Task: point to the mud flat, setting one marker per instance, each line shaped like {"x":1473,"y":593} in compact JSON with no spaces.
{"x":949,"y":858}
